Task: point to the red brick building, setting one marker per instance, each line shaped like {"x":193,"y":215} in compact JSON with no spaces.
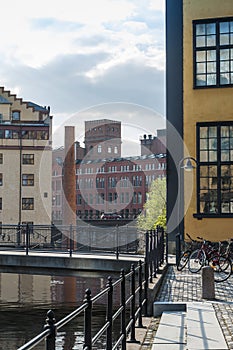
{"x":105,"y":181}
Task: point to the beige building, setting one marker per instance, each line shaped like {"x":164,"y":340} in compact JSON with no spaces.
{"x":25,"y":161}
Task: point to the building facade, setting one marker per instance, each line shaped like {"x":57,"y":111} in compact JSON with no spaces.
{"x":105,"y":181}
{"x":200,"y":109}
{"x":25,"y":161}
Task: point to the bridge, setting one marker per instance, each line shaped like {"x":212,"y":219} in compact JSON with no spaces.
{"x":54,"y":263}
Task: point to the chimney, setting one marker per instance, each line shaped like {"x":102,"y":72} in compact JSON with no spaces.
{"x":69,"y":179}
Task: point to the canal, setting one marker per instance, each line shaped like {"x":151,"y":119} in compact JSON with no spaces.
{"x":25,"y":300}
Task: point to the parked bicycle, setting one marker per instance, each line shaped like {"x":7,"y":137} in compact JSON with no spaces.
{"x":185,"y":254}
{"x":210,"y":254}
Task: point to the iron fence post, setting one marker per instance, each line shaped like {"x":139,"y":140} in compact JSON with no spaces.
{"x":71,"y":240}
{"x":18,"y":234}
{"x":27,"y":239}
{"x":155,"y":252}
{"x":151,"y":256}
{"x":117,"y":242}
{"x":140,"y":294}
{"x":109,"y":314}
{"x":146,"y":272}
{"x":50,"y":324}
{"x":87,"y":321}
{"x":123,"y":314}
{"x":132,"y":334}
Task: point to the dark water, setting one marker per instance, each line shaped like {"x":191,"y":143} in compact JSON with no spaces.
{"x":25,"y":300}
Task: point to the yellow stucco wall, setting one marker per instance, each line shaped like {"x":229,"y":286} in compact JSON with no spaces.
{"x":203,"y":105}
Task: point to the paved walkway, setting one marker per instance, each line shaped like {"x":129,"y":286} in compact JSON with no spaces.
{"x":185,"y":286}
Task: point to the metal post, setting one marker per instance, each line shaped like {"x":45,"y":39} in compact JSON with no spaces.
{"x":27,"y":239}
{"x":151,"y":257}
{"x":109,"y":314}
{"x":123,"y":313}
{"x":140,"y":294}
{"x":71,"y":240}
{"x":146,"y":273}
{"x":18,"y":235}
{"x":155,"y":251}
{"x":132,"y":316}
{"x":50,"y":324}
{"x":87,"y":321}
{"x":117,"y":242}
{"x":178,"y":247}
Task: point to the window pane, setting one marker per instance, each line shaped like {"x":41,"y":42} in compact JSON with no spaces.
{"x":212,"y":156}
{"x":210,"y":28}
{"x":211,"y":40}
{"x":212,"y":143}
{"x":224,"y":79}
{"x":211,"y":55}
{"x":201,"y":80}
{"x":204,"y":183}
{"x":225,"y":131}
{"x":200,"y":41}
{"x":203,"y":156}
{"x":211,"y":79}
{"x":203,"y":132}
{"x":211,"y":67}
{"x":224,"y":39}
{"x":201,"y":56}
{"x":225,"y":144}
{"x":224,"y":66}
{"x":212,"y":131}
{"x":200,"y":29}
{"x":203,"y":144}
{"x":224,"y":27}
{"x":201,"y":68}
{"x":224,"y":54}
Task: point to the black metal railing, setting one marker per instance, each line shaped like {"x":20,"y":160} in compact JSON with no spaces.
{"x":68,"y":238}
{"x":132,"y":291}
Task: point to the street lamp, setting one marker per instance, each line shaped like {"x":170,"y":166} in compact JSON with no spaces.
{"x":185,"y":163}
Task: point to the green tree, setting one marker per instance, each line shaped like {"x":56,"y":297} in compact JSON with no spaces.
{"x":154,"y":211}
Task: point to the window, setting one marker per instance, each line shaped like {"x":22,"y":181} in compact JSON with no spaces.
{"x":0,"y":203}
{"x":215,"y":168}
{"x":15,"y":115}
{"x":1,"y":179}
{"x":27,"y":203}
{"x":28,"y":158}
{"x":213,"y":52}
{"x":1,"y":158}
{"x":28,"y":180}
{"x":99,"y":149}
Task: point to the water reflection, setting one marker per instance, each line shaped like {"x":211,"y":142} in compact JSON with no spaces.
{"x":25,"y":299}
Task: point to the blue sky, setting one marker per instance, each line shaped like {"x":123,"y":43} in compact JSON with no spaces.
{"x":76,"y":55}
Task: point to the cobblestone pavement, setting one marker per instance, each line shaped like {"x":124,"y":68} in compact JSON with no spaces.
{"x":186,"y":286}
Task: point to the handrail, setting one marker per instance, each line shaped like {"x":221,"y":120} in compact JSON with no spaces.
{"x":138,"y":277}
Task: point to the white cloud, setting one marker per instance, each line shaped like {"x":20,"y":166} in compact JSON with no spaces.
{"x":81,"y":53}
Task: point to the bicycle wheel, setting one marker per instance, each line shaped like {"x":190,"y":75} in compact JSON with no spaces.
{"x":222,"y":267}
{"x":183,"y":260}
{"x":196,"y":260}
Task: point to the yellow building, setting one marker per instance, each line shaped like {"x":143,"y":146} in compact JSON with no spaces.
{"x":199,"y":39}
{"x":25,"y":161}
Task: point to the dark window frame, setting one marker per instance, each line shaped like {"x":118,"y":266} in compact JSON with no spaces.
{"x":28,"y":203}
{"x":218,"y":192}
{"x":28,"y":179}
{"x":28,"y":159}
{"x":217,"y":47}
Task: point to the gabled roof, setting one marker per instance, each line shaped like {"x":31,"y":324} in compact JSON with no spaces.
{"x":3,"y":100}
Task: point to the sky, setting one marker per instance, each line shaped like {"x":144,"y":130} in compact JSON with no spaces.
{"x":92,"y":59}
